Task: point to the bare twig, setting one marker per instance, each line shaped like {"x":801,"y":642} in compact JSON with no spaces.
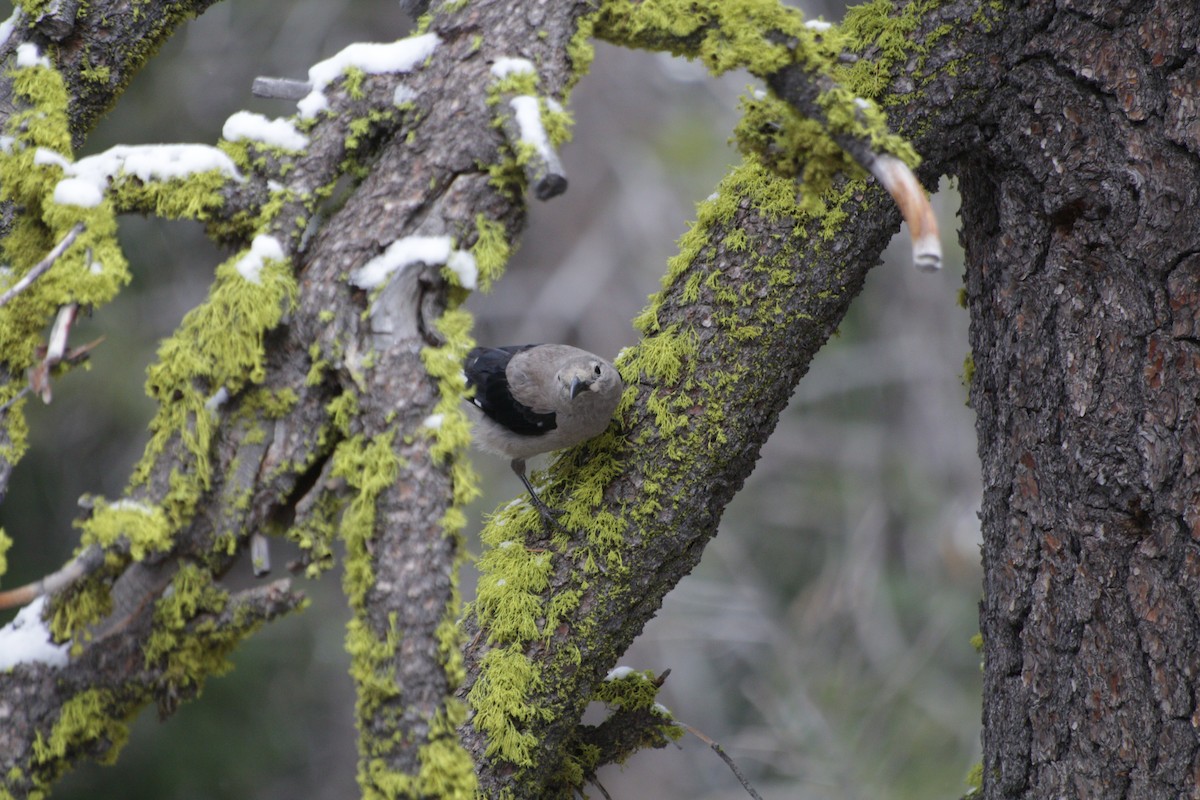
{"x":43,"y":265}
{"x":260,"y":554}
{"x":58,"y":20}
{"x":600,"y":786}
{"x":56,"y":346}
{"x":86,"y":562}
{"x":909,"y":195}
{"x":51,"y":354}
{"x":12,"y":401}
{"x":724,"y":757}
{"x":280,"y":88}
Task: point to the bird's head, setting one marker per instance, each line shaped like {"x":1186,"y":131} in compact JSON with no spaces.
{"x":589,"y":375}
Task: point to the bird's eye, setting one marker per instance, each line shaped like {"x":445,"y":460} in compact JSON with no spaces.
{"x":597,"y":370}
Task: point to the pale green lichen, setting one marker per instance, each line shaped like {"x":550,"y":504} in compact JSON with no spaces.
{"x":100,"y":75}
{"x":93,"y":269}
{"x":144,"y":527}
{"x":89,"y":602}
{"x":18,"y":429}
{"x":580,"y":50}
{"x":974,"y":781}
{"x":557,"y":121}
{"x":518,"y":82}
{"x":343,"y":410}
{"x":723,"y":34}
{"x":361,"y":127}
{"x":633,"y":691}
{"x":85,"y":720}
{"x":447,"y":770}
{"x":196,"y":197}
{"x":371,"y":664}
{"x":788,"y":146}
{"x":186,"y":659}
{"x":876,"y":25}
{"x":662,"y":356}
{"x":316,"y":534}
{"x":271,"y":404}
{"x":500,"y":698}
{"x":5,"y":544}
{"x":453,"y":433}
{"x":369,"y":466}
{"x":218,"y":345}
{"x":508,"y":598}
{"x":491,"y":250}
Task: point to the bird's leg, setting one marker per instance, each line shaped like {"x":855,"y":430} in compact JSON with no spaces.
{"x":549,"y":515}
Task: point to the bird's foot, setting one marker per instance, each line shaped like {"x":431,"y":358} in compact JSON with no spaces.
{"x":549,"y":516}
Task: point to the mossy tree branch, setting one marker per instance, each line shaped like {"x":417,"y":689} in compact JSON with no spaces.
{"x":762,"y":280}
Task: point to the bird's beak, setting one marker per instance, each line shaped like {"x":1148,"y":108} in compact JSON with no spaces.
{"x":578,"y":387}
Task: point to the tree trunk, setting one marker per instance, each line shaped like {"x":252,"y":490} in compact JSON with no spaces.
{"x":1081,"y":220}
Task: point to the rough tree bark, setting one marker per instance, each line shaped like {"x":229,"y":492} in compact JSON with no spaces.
{"x":1074,"y":132}
{"x":1081,"y":220}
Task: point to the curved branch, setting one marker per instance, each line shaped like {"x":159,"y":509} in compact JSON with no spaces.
{"x":760,"y":285}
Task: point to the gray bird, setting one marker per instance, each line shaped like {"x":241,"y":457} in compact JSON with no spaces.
{"x":536,"y":398}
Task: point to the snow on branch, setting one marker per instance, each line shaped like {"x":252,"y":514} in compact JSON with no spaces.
{"x":404,"y":55}
{"x":27,"y":640}
{"x":88,"y":178}
{"x":525,"y":128}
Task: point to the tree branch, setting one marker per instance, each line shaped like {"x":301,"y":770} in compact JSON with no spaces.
{"x":707,"y":384}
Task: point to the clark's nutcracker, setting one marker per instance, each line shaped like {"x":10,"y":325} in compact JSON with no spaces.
{"x":535,"y":398}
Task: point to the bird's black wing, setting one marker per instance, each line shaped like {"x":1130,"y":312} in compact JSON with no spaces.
{"x":485,"y":368}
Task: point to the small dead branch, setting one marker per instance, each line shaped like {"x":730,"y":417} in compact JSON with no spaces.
{"x":58,"y":20}
{"x":42,"y":266}
{"x":724,"y":757}
{"x":914,"y":206}
{"x":85,"y":563}
{"x":280,"y":88}
{"x":56,"y":353}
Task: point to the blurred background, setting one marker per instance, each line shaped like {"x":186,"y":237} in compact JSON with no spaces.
{"x":823,"y":640}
